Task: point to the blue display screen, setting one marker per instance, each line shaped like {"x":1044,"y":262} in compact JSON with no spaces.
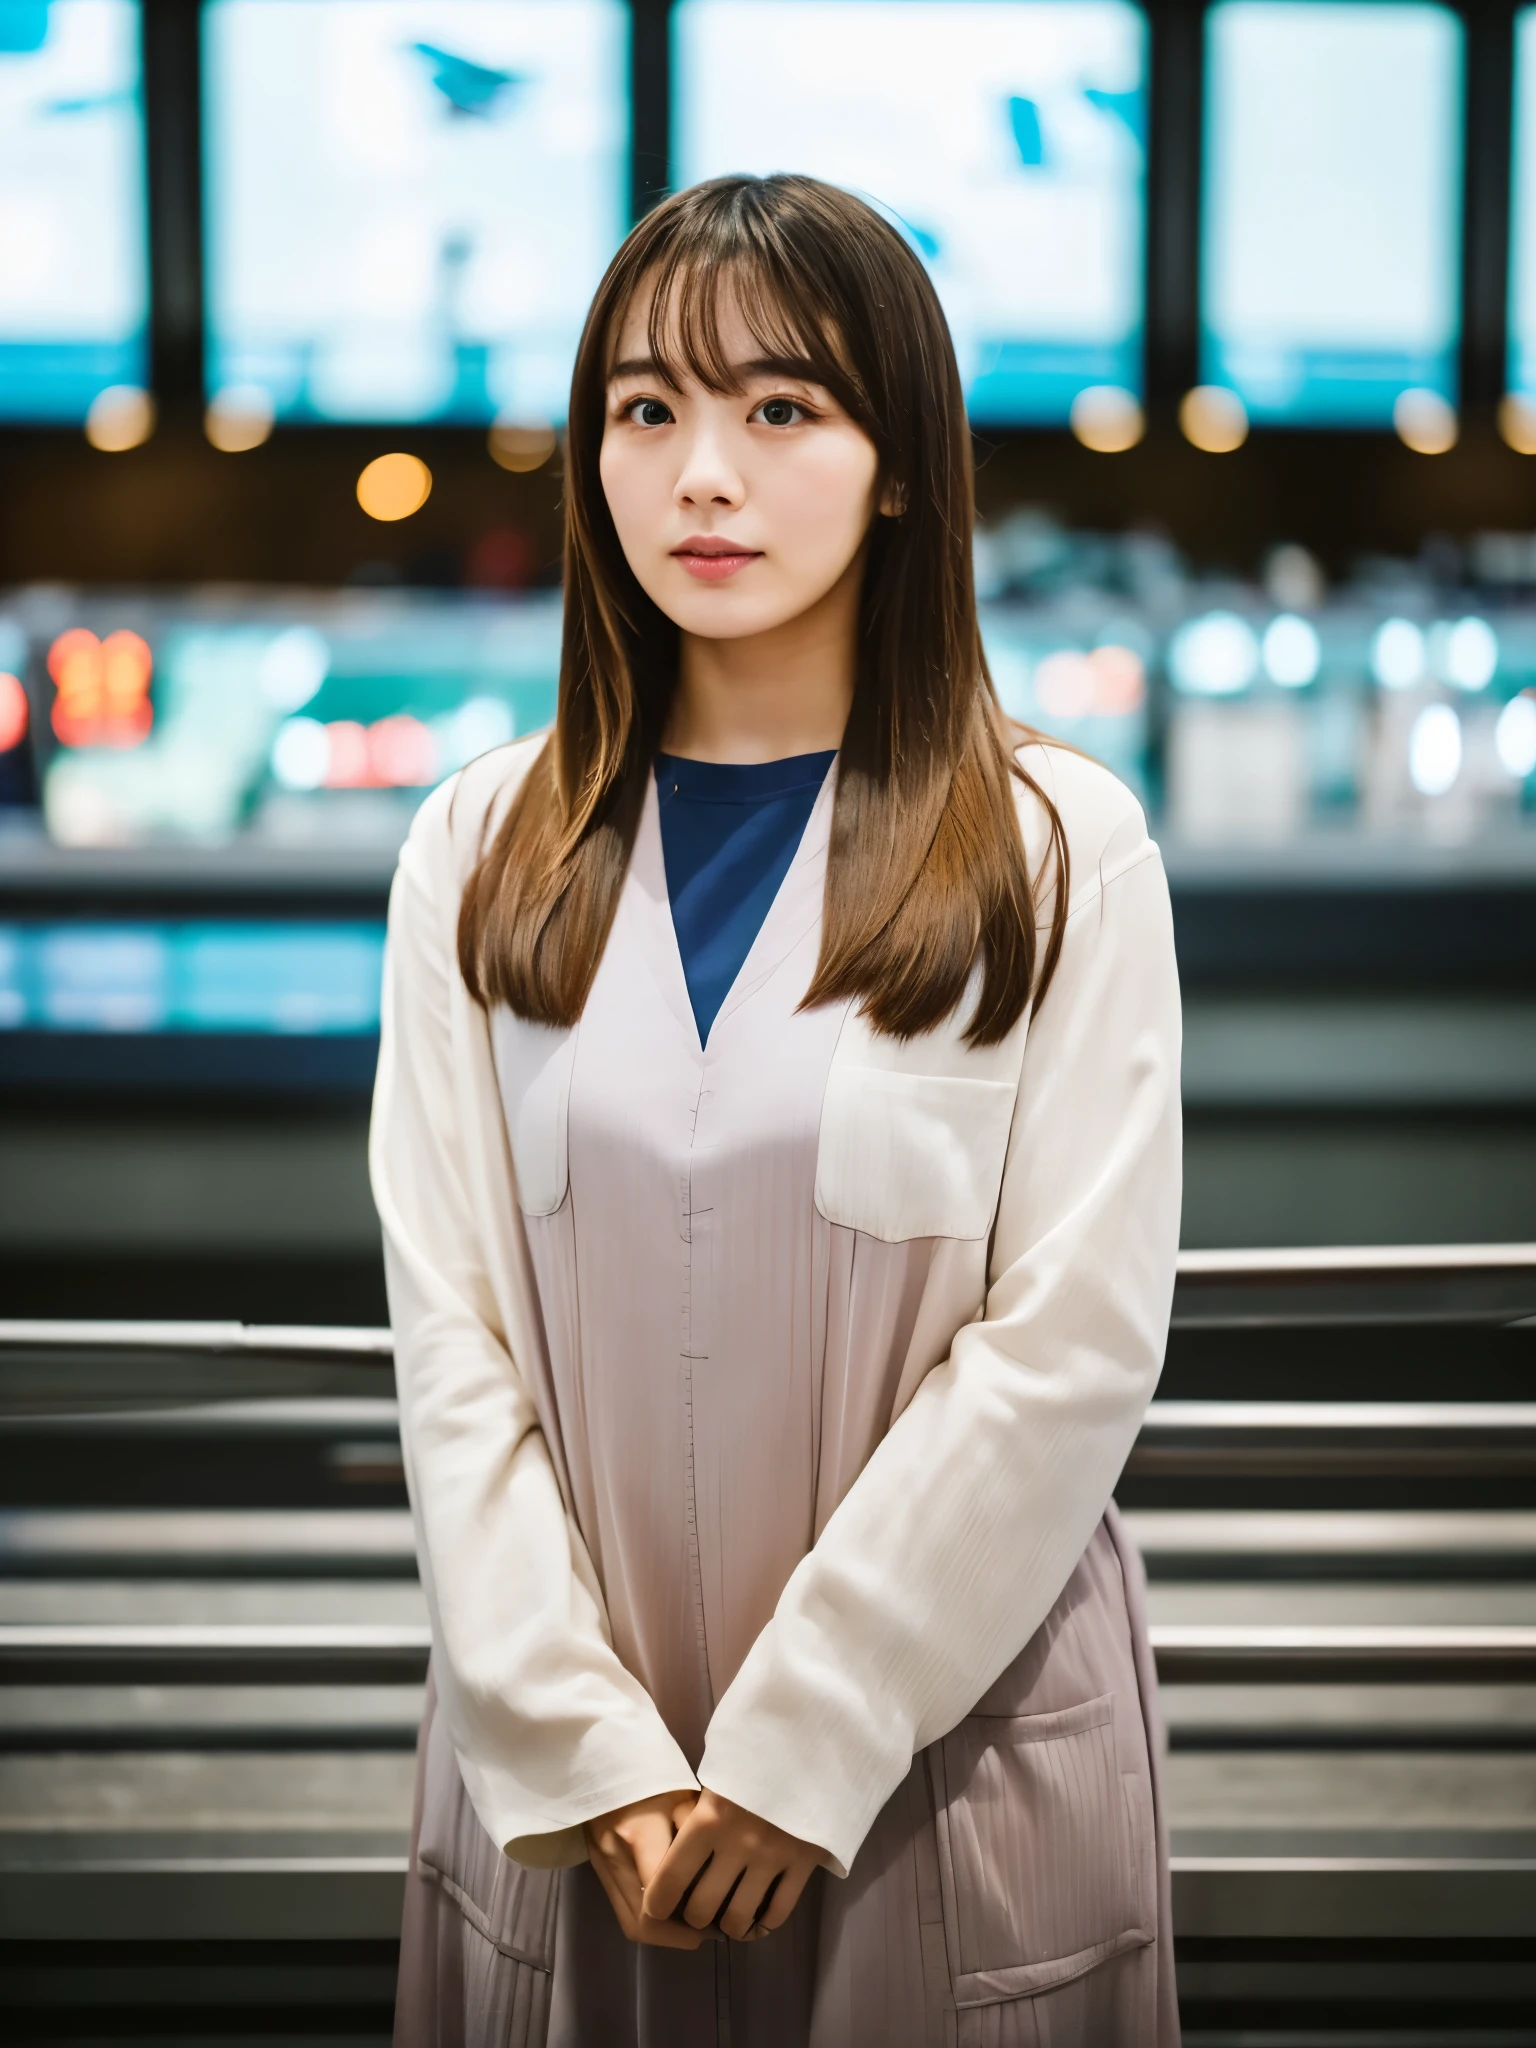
{"x":1331,"y":236}
{"x":74,"y":272}
{"x":1006,"y":139}
{"x":409,"y":203}
{"x":1522,"y":242}
{"x":290,"y":979}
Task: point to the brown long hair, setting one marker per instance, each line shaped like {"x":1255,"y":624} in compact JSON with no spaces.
{"x":926,"y":869}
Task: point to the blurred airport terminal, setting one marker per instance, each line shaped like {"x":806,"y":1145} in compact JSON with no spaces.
{"x":1244,"y":296}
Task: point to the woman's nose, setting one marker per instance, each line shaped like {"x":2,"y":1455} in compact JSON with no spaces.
{"x":708,"y":476}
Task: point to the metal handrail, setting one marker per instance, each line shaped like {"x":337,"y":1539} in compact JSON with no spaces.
{"x":1410,"y":1418}
{"x":1220,"y":1267}
{"x":261,"y":1340}
{"x":369,"y":1653}
{"x":1311,"y":1261}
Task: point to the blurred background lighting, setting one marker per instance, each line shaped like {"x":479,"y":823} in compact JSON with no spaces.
{"x":239,"y":418}
{"x":518,"y":446}
{"x":1469,"y":656}
{"x":13,"y":713}
{"x":1425,"y":422}
{"x":103,"y":688}
{"x":1214,"y":656}
{"x":1397,"y":654}
{"x":402,"y":753}
{"x":301,"y":754}
{"x":1434,"y":750}
{"x":293,"y":668}
{"x":1515,"y":735}
{"x":1107,"y":418}
{"x":1106,"y":683}
{"x":1517,"y":422}
{"x":479,"y":724}
{"x":1292,"y":652}
{"x":1213,"y":419}
{"x":394,"y":486}
{"x":120,"y":418}
{"x":347,"y":764}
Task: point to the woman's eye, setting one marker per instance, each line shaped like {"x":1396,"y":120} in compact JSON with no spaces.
{"x":648,"y":412}
{"x":781,"y":412}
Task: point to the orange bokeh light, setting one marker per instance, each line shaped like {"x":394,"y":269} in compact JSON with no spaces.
{"x":103,"y":688}
{"x":13,"y":713}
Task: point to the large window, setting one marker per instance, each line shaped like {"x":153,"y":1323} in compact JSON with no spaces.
{"x":1332,"y":210}
{"x":409,"y":203}
{"x":1006,"y":139}
{"x":74,"y":283}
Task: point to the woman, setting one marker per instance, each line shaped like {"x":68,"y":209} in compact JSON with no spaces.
{"x":777,"y":1148}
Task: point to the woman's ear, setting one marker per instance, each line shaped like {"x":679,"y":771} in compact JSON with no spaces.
{"x":893,"y":501}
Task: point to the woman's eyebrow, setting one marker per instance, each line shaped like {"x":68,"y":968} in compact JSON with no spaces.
{"x":642,"y":366}
{"x":802,"y":368}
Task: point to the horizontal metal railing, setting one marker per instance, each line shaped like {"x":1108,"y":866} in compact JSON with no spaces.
{"x":1311,"y":1262}
{"x":1317,"y":1438}
{"x":1303,"y":1267}
{"x":248,"y":1340}
{"x":340,"y":1653}
{"x":1189,"y":1439}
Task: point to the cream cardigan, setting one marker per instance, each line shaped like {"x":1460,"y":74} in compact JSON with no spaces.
{"x":1054,"y":1158}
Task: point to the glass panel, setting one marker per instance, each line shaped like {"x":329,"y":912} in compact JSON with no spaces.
{"x":1332,"y":208}
{"x":74,"y":271}
{"x":409,"y":203}
{"x":1005,"y":138}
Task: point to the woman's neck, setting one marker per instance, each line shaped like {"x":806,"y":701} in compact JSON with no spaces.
{"x":768,"y":695}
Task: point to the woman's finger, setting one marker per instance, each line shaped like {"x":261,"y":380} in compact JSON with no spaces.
{"x":648,"y":1837}
{"x":722,"y":1875}
{"x":618,"y":1879}
{"x":791,"y":1883}
{"x":689,"y":1852}
{"x":746,"y":1901}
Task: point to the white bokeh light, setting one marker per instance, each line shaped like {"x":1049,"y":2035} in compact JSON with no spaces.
{"x":1293,"y":654}
{"x":1214,"y":656}
{"x":1397,"y":654}
{"x":301,"y":754}
{"x":1434,"y":750}
{"x":1470,"y":656}
{"x":293,"y":667}
{"x":1515,"y":736}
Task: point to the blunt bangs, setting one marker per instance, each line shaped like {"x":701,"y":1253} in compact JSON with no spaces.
{"x":739,"y":259}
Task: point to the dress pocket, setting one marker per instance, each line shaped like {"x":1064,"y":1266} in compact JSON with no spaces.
{"x":904,"y":1155}
{"x":511,"y":1907}
{"x":1046,"y":1851}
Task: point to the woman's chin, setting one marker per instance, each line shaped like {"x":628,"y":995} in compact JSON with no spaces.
{"x":723,"y":613}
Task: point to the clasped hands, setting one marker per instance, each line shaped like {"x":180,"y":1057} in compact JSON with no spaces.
{"x":701,"y":1852}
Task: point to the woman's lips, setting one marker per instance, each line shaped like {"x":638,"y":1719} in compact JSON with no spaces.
{"x":713,"y":568}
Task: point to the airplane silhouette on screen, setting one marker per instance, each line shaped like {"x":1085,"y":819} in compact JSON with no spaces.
{"x":471,"y":90}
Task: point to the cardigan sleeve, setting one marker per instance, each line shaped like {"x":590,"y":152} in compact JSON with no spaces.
{"x":953,"y":1543}
{"x":549,"y":1727}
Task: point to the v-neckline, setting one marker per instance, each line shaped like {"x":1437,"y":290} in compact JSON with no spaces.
{"x":795,"y":909}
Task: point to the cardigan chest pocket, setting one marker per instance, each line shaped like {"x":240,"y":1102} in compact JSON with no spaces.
{"x":507,"y":1910}
{"x":904,"y":1155}
{"x":1047,"y":1858}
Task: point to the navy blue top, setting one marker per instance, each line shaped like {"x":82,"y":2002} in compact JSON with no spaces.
{"x":729,"y":831}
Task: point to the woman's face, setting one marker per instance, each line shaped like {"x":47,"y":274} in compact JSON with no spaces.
{"x":736,"y":513}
